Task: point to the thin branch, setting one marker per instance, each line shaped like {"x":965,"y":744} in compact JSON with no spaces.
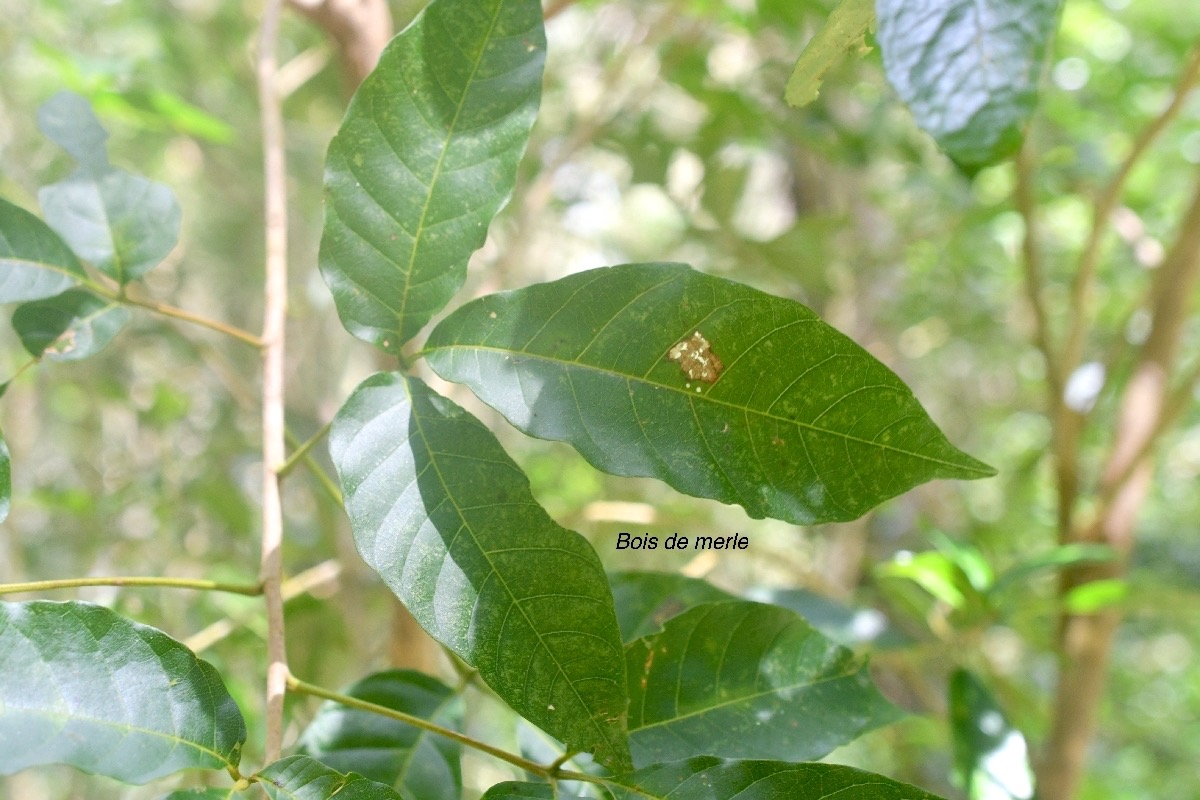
{"x":187,"y":316}
{"x":1106,"y":204}
{"x":251,"y":590}
{"x":302,"y":450}
{"x":274,"y":317}
{"x":1032,"y":262}
{"x":318,"y":472}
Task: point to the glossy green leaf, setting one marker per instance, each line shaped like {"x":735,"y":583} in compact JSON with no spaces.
{"x":425,"y":158}
{"x":746,"y":680}
{"x":719,"y":779}
{"x":34,"y":262}
{"x":122,"y":223}
{"x":71,"y":326}
{"x":447,"y":519}
{"x":5,"y":478}
{"x":990,"y":754}
{"x":83,"y":686}
{"x":518,"y":790}
{"x":801,"y":424}
{"x":969,"y":71}
{"x":646,"y":600}
{"x":386,"y":750}
{"x":843,"y":31}
{"x":304,"y":778}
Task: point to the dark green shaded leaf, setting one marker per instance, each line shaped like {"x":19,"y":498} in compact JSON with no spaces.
{"x":801,"y":424}
{"x":447,"y":519}
{"x":5,"y":478}
{"x":302,"y":778}
{"x":646,"y":600}
{"x":83,"y":686}
{"x":387,"y":750}
{"x":718,"y":779}
{"x":989,"y":752}
{"x":34,"y":262}
{"x":122,"y":223}
{"x":71,"y":326}
{"x":516,"y":790}
{"x":844,"y":31}
{"x":746,"y":680}
{"x":425,"y":158}
{"x":968,"y":70}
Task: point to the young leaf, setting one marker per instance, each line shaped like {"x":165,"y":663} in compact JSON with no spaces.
{"x":711,"y":778}
{"x":746,"y":680}
{"x":34,"y":262}
{"x":516,"y":790}
{"x":5,"y":478}
{"x":302,"y":778}
{"x":646,"y":600}
{"x":447,"y":519}
{"x":122,"y":223}
{"x":969,"y":71}
{"x":389,"y":751}
{"x":990,"y":754}
{"x":71,"y":326}
{"x":845,"y":30}
{"x":83,"y":686}
{"x":798,"y":423}
{"x":425,"y":158}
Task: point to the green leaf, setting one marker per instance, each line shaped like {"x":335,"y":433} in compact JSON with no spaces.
{"x":1094,"y":596}
{"x":71,"y":326}
{"x":34,"y":262}
{"x":5,"y":478}
{"x":389,"y":751}
{"x":447,"y":519}
{"x":844,"y":31}
{"x":646,"y":600}
{"x":935,"y":573}
{"x":202,"y":794}
{"x":83,"y":686}
{"x":303,"y":778}
{"x":746,"y":680}
{"x":844,"y":624}
{"x":969,"y":71}
{"x":713,"y":778}
{"x":122,"y":223}
{"x":518,"y":790}
{"x":990,"y":754}
{"x":802,"y":424}
{"x":425,"y":158}
{"x":1061,"y":556}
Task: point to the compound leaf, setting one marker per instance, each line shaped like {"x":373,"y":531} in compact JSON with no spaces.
{"x":791,"y":419}
{"x":303,"y":778}
{"x":746,"y":680}
{"x":386,"y":750}
{"x":425,"y":158}
{"x":34,"y":262}
{"x":83,"y":686}
{"x":447,"y":519}
{"x":969,"y":71}
{"x":68,"y":327}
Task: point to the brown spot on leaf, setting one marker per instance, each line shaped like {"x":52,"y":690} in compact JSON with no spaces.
{"x":696,"y":358}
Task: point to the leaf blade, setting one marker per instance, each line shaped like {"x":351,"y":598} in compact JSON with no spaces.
{"x":69,"y":327}
{"x":845,"y":28}
{"x":990,"y":754}
{"x":802,"y":424}
{"x":432,"y":139}
{"x":34,"y":262}
{"x":304,"y":778}
{"x":446,"y":518}
{"x":56,"y":662}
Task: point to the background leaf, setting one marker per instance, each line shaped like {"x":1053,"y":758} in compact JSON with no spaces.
{"x":802,"y":424}
{"x":447,"y":519}
{"x":990,"y":754}
{"x":5,"y":478}
{"x":202,"y":794}
{"x":516,"y":790}
{"x":34,"y":262}
{"x":425,"y":158}
{"x":81,"y":685}
{"x":303,"y":778}
{"x":969,"y":71}
{"x":843,"y":31}
{"x":710,"y":778}
{"x":387,"y":750}
{"x":122,"y":223}
{"x":68,"y":327}
{"x":746,"y":680}
{"x":646,"y":600}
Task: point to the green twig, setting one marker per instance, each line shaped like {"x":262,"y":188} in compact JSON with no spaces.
{"x":250,"y":590}
{"x":302,"y":450}
{"x":327,"y":483}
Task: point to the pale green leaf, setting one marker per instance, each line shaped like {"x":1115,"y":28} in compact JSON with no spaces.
{"x":718,"y":779}
{"x":304,"y":778}
{"x":425,"y":158}
{"x":801,"y":424}
{"x":447,"y":519}
{"x":83,"y":686}
{"x":202,"y":794}
{"x":391,"y":752}
{"x":990,"y":754}
{"x":34,"y":262}
{"x":842,"y":32}
{"x":746,"y":680}
{"x":71,"y":326}
{"x":969,"y":71}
